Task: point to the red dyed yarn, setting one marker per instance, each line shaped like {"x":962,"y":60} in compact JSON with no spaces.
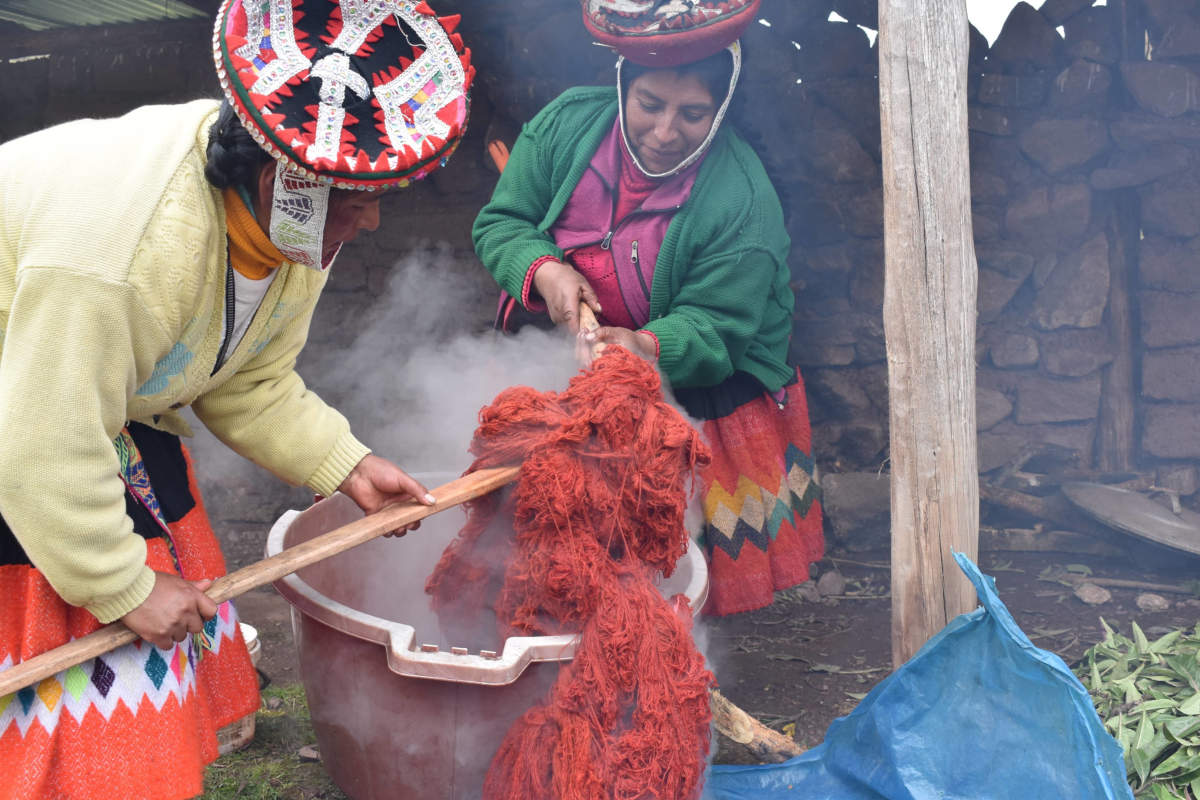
{"x":597,"y":510}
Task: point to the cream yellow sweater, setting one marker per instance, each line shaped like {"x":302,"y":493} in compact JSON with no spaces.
{"x":112,"y":284}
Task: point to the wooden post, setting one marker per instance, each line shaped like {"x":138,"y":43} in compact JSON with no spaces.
{"x":928,"y":313}
{"x":1115,"y":442}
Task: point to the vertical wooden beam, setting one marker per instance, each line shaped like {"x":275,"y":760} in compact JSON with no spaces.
{"x":1115,"y":443}
{"x":928,"y":313}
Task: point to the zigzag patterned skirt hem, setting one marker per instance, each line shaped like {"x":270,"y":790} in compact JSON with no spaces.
{"x":761,"y":498}
{"x":138,"y":723}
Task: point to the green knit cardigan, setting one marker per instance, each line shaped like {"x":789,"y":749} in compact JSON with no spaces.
{"x":720,"y":301}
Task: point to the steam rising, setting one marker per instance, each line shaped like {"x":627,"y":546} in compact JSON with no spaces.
{"x":419,"y":372}
{"x":420,"y":368}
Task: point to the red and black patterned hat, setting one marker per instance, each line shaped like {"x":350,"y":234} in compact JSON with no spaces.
{"x":361,"y":94}
{"x":667,"y":33}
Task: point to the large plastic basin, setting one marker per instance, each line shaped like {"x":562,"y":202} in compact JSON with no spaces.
{"x":394,"y":716}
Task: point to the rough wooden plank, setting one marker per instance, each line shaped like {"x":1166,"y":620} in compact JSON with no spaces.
{"x":1054,"y":508}
{"x":765,"y":744}
{"x":1034,"y":540}
{"x":1118,"y":397}
{"x":929,"y":313}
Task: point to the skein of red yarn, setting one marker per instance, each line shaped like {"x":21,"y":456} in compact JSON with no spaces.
{"x":597,"y":511}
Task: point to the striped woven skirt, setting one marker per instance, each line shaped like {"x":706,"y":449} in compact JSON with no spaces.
{"x":761,"y":496}
{"x":137,"y":722}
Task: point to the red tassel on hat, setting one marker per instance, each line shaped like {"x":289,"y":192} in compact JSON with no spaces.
{"x":300,"y":149}
{"x":450,"y":22}
{"x":381,"y":164}
{"x":423,"y":8}
{"x":236,"y":42}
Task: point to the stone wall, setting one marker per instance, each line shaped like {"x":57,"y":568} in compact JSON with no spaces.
{"x":1084,"y":167}
{"x":1086,"y":197}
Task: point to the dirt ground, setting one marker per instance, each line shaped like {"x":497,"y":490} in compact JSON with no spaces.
{"x":797,"y":665}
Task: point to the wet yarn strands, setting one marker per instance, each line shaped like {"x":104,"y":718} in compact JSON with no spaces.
{"x":597,"y":511}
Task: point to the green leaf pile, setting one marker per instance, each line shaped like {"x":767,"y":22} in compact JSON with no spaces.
{"x":1148,"y":695}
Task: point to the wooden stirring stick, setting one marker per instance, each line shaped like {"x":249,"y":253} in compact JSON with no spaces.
{"x":372,"y":526}
{"x":730,"y":720}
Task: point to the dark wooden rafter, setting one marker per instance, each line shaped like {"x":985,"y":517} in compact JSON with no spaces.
{"x":23,"y":43}
{"x":20,"y":41}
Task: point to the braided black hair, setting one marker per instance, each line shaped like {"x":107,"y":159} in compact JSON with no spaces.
{"x":234,"y":158}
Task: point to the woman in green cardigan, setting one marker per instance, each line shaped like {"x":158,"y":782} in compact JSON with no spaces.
{"x":639,"y":203}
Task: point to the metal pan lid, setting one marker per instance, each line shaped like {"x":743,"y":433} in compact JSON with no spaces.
{"x":1135,"y":513}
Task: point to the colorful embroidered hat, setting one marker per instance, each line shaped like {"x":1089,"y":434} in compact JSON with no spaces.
{"x":361,"y":94}
{"x":667,"y":33}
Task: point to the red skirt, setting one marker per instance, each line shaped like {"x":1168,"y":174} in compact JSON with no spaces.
{"x":761,"y":497}
{"x":137,"y":722}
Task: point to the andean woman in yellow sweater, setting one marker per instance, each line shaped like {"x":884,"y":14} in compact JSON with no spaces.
{"x":173,"y":257}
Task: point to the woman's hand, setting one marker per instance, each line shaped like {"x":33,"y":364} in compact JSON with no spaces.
{"x":642,"y":344}
{"x":563,"y":289}
{"x":174,"y":608}
{"x":376,"y":482}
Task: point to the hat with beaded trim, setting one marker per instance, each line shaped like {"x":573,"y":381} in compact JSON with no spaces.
{"x":667,"y":33}
{"x":356,"y":94}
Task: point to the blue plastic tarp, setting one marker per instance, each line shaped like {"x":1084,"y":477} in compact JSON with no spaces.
{"x":979,"y":713}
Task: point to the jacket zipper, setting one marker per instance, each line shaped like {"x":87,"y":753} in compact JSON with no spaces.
{"x":637,"y":270}
{"x":612,"y":214}
{"x":606,"y":242}
{"x":230,"y":309}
